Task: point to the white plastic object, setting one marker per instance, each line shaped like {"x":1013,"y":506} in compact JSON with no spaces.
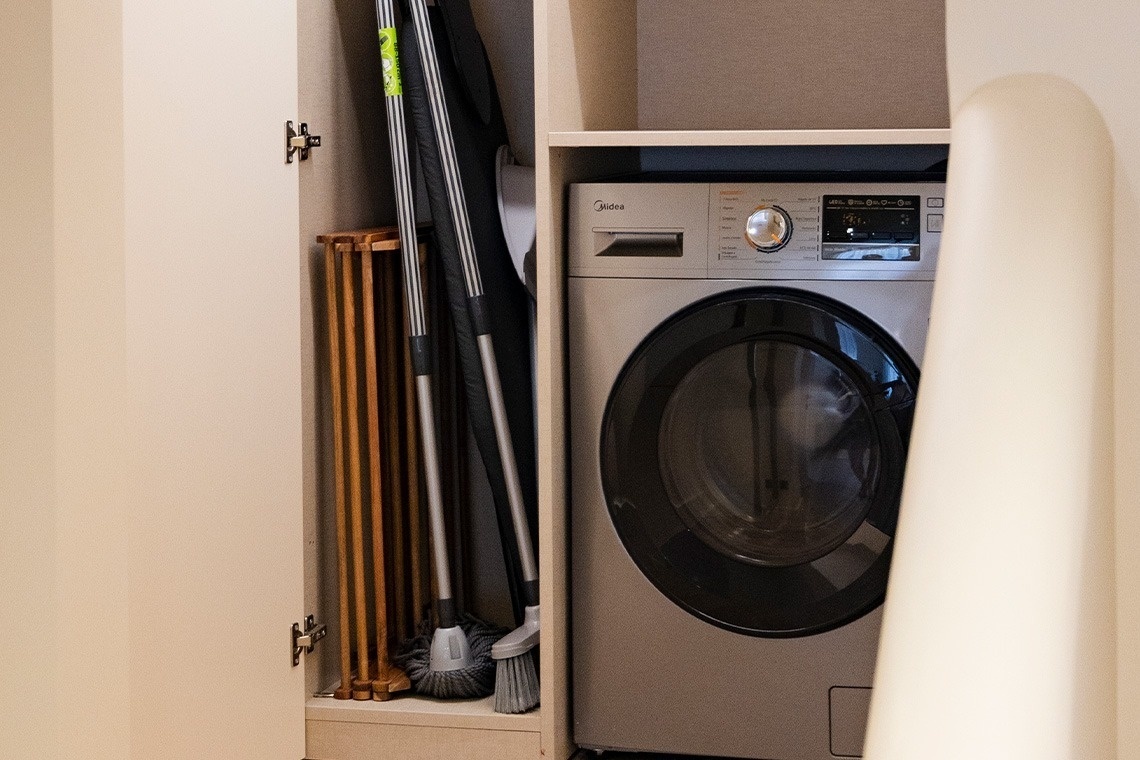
{"x":449,"y":650}
{"x":515,"y":185}
{"x":520,"y":640}
{"x":998,"y":638}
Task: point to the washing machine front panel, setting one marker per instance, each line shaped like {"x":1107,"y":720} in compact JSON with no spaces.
{"x":751,"y":459}
{"x":647,"y":674}
{"x":651,"y":673}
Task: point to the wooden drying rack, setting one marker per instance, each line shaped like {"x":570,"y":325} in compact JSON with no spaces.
{"x":400,"y":583}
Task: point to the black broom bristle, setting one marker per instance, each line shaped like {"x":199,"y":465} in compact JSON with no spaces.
{"x":478,"y":680}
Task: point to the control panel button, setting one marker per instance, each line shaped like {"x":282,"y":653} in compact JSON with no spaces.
{"x":768,"y":228}
{"x":934,"y":222}
{"x":882,"y":236}
{"x":934,"y":203}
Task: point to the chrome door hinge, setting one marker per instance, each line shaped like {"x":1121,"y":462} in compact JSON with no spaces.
{"x":299,"y":142}
{"x":306,"y":640}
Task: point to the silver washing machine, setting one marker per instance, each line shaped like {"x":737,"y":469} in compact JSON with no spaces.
{"x":743,"y":362}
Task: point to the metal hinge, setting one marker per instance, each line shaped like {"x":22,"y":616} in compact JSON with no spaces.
{"x":299,"y":142}
{"x":306,"y":640}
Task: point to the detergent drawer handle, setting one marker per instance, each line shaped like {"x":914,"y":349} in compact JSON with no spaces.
{"x":656,"y":243}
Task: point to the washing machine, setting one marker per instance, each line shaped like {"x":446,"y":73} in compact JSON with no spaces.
{"x":743,"y":364}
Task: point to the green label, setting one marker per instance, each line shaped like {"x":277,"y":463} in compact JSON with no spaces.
{"x":390,"y":60}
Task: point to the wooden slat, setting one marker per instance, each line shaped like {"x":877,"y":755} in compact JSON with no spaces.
{"x":362,"y":684}
{"x":344,"y":690}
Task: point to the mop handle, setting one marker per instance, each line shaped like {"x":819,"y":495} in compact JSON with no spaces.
{"x":418,"y":343}
{"x":476,"y":301}
{"x":527,"y":564}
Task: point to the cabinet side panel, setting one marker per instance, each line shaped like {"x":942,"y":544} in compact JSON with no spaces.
{"x":554,"y":665}
{"x":791,"y":64}
{"x":557,"y":168}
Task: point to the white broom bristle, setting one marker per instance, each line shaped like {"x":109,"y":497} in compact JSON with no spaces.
{"x":516,"y":684}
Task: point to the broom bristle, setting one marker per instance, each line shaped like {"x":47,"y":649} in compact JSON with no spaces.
{"x":516,"y":684}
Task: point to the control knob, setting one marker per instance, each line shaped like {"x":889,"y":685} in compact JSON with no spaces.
{"x":768,"y":228}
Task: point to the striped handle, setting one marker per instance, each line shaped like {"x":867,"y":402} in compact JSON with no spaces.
{"x":456,"y":202}
{"x":417,"y":325}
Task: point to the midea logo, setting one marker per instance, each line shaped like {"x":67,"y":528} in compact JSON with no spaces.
{"x":603,"y":206}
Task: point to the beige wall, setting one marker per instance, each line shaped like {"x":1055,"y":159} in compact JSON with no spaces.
{"x":791,"y":64}
{"x":27,"y":526}
{"x":1094,"y":46}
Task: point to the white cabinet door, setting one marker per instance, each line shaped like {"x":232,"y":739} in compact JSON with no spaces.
{"x":213,"y":326}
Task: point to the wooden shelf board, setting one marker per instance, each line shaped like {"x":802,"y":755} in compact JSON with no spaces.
{"x":749,"y":137}
{"x":422,"y":711}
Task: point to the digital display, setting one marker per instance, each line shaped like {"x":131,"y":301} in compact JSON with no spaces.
{"x":871,"y":227}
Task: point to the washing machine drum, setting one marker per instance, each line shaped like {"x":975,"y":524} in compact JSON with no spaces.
{"x":752,"y":459}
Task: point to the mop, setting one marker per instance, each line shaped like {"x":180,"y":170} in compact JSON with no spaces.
{"x":454,"y":662}
{"x":516,"y":682}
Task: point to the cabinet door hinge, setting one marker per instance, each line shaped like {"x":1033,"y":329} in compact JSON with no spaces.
{"x":299,"y":142}
{"x":306,"y":640}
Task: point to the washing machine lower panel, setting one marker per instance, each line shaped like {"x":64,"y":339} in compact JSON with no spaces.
{"x":648,"y":675}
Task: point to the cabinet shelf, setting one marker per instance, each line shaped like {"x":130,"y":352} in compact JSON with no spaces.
{"x":747,"y":137}
{"x":422,"y":711}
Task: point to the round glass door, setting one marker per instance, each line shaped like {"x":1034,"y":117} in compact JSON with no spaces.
{"x":752,"y":459}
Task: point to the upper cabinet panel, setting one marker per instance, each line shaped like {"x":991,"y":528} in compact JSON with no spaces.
{"x":746,"y":65}
{"x":591,"y":64}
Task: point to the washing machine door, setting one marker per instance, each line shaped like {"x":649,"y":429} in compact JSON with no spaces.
{"x":752,"y":459}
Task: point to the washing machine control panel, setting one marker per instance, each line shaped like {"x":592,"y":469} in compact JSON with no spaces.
{"x":761,"y":227}
{"x":748,"y":230}
{"x":733,"y":207}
